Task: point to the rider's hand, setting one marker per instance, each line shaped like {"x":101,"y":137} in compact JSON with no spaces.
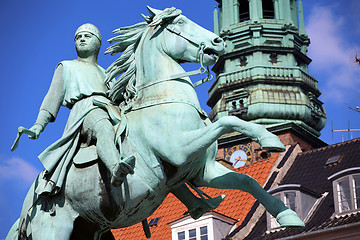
{"x":36,"y":129}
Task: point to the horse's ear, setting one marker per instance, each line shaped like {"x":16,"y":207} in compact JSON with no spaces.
{"x":146,"y":18}
{"x":153,"y":11}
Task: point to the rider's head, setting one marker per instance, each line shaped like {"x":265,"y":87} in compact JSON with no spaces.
{"x":87,"y":40}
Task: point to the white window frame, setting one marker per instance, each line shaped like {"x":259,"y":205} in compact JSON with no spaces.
{"x":272,"y":223}
{"x":198,"y":233}
{"x":354,"y":205}
{"x":304,"y":203}
{"x":218,"y":226}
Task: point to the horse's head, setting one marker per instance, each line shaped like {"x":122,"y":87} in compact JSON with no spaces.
{"x":183,"y":39}
{"x":153,"y":50}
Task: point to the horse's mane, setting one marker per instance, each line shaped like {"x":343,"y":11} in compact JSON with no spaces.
{"x":123,"y":90}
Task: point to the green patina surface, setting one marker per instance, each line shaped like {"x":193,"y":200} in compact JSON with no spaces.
{"x":263,"y":76}
{"x":129,"y":142}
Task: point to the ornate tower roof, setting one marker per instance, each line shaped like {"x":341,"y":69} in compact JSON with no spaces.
{"x":263,"y":77}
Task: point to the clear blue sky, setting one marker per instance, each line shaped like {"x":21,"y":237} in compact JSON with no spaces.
{"x":36,"y":35}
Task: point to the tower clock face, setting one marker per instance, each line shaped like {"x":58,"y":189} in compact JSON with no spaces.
{"x":238,"y":155}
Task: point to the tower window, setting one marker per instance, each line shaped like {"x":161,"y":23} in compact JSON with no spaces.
{"x":241,"y":103}
{"x":243,"y":61}
{"x":234,"y":105}
{"x":244,"y":10}
{"x":273,"y":58}
{"x":268,"y":9}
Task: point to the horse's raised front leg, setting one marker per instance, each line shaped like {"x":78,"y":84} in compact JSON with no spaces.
{"x":217,"y":176}
{"x":196,"y":141}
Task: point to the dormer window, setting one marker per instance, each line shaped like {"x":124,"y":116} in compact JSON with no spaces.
{"x":289,"y":199}
{"x":194,"y":234}
{"x":346,"y":187}
{"x":211,"y":226}
{"x":295,"y":197}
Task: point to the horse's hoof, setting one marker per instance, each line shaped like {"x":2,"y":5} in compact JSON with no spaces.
{"x":274,"y":149}
{"x":206,"y":205}
{"x":272,"y":144}
{"x":196,"y":213}
{"x":214,"y":202}
{"x":289,"y":218}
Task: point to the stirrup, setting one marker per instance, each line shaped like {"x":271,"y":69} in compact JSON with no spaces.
{"x":127,"y":165}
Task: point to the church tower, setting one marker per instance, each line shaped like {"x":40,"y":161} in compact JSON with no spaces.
{"x":263,"y":77}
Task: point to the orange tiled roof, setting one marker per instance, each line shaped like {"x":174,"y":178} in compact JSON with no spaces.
{"x":236,"y":205}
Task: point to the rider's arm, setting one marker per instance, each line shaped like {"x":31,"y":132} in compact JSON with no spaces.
{"x":51,"y":103}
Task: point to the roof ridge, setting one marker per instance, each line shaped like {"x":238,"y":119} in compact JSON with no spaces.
{"x":330,"y":146}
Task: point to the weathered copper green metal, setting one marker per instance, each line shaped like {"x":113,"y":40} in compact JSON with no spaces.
{"x":263,"y":77}
{"x":89,"y":28}
{"x":164,"y":127}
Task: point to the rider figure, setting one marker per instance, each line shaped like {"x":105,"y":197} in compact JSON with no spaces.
{"x":77,"y":84}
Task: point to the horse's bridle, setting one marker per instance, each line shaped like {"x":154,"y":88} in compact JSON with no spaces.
{"x":200,"y":56}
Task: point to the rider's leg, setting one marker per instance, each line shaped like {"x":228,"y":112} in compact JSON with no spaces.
{"x":102,"y":131}
{"x":196,"y":206}
{"x":108,"y":152}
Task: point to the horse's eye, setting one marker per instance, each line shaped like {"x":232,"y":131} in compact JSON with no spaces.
{"x":180,"y":22}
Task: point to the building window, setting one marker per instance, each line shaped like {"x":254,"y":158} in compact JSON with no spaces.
{"x":237,"y":103}
{"x":211,"y":226}
{"x":200,"y":233}
{"x":301,"y":200}
{"x":192,"y":234}
{"x":273,"y":57}
{"x":243,"y":61}
{"x":347,"y":193}
{"x":181,"y":235}
{"x":289,"y":199}
{"x":203,"y":233}
{"x":268,"y":9}
{"x":244,"y":10}
{"x":154,"y":221}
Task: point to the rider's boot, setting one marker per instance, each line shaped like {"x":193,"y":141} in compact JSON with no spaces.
{"x":121,"y":170}
{"x":205,"y":205}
